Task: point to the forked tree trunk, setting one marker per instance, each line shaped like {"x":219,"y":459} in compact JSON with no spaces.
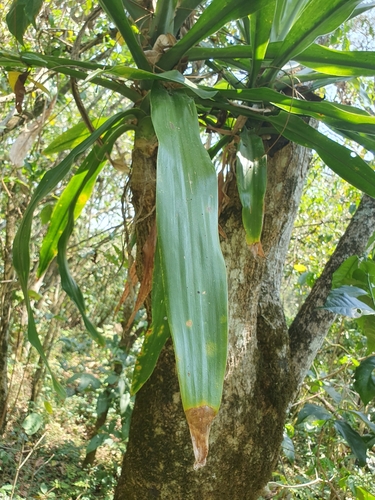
{"x":262,"y":378}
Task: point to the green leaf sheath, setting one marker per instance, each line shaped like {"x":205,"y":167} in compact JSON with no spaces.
{"x":157,"y":335}
{"x":251,"y":170}
{"x":193,"y":268}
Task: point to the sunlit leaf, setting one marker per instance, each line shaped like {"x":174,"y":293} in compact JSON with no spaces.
{"x":32,"y":423}
{"x":193,"y":269}
{"x":347,"y":164}
{"x":72,"y":137}
{"x":251,"y":170}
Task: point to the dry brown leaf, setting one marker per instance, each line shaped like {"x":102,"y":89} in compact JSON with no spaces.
{"x":27,"y":137}
{"x":133,"y":280}
{"x":20,"y":91}
{"x":148,"y":269}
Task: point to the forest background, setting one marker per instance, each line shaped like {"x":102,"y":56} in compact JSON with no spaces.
{"x":73,"y":449}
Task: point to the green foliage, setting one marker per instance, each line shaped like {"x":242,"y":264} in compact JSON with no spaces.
{"x":255,"y":51}
{"x":192,"y":265}
{"x":251,"y":172}
{"x":365,"y":380}
{"x":352,"y":294}
{"x":21,"y":14}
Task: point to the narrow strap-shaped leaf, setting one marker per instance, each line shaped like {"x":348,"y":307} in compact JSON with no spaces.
{"x":366,"y":141}
{"x":285,"y":15}
{"x":251,"y":170}
{"x":341,"y":160}
{"x":260,"y":30}
{"x":184,"y":9}
{"x":82,"y":183}
{"x":66,"y":67}
{"x":34,"y":340}
{"x":67,"y":282}
{"x":193,"y":268}
{"x":72,"y":137}
{"x":157,"y":335}
{"x":163,"y":19}
{"x":333,"y":114}
{"x":217,"y":14}
{"x":339,"y":63}
{"x":116,"y":12}
{"x":170,"y":76}
{"x":21,"y":252}
{"x":318,"y":18}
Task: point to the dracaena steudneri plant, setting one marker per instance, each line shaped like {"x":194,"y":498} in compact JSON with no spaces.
{"x":268,"y":63}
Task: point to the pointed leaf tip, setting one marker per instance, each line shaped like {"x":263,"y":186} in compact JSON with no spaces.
{"x":200,"y":420}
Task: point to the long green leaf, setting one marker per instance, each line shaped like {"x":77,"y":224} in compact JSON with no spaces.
{"x":184,"y":9}
{"x":217,"y":14}
{"x":72,"y":137}
{"x":354,"y":440}
{"x":67,"y":67}
{"x":335,"y":115}
{"x":251,"y":170}
{"x":163,"y":19}
{"x":339,"y":63}
{"x":170,"y":76}
{"x":67,"y":282}
{"x":193,"y":267}
{"x":317,"y":57}
{"x":157,"y":335}
{"x":260,"y":30}
{"x":341,"y":160}
{"x":287,"y":11}
{"x":77,"y":192}
{"x":318,"y":18}
{"x":21,"y":251}
{"x":21,"y":14}
{"x":116,"y":12}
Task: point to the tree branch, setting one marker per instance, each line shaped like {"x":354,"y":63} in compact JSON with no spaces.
{"x":310,"y":326}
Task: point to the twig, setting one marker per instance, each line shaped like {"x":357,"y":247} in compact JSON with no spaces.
{"x":21,"y":464}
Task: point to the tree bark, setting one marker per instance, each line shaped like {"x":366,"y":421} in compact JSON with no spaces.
{"x":262,"y":376}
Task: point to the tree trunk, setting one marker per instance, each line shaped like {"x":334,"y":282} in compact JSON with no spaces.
{"x":261,"y":379}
